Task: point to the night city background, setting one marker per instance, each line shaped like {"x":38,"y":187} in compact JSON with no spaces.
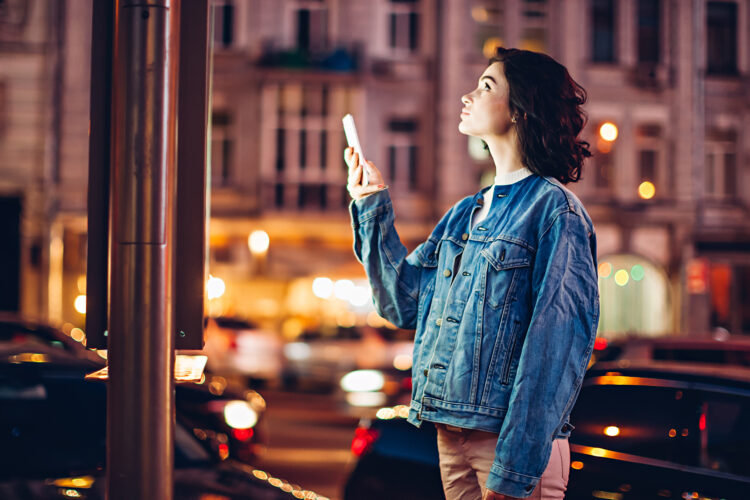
{"x":289,"y":308}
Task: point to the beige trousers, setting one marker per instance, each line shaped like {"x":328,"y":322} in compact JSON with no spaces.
{"x":466,"y":456}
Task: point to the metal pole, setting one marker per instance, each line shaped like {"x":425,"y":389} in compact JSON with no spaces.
{"x":140,"y":398}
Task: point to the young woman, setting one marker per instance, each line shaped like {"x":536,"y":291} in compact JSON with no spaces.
{"x":503,"y":294}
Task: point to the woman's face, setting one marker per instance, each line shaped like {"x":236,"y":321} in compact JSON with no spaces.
{"x":485,"y":111}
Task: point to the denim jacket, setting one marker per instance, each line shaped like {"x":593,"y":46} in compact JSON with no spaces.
{"x":505,"y":315}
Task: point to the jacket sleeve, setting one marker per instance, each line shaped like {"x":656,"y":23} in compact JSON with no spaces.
{"x":394,"y":276}
{"x":554,"y":356}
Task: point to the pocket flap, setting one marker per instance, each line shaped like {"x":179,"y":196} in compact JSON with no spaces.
{"x":502,"y":254}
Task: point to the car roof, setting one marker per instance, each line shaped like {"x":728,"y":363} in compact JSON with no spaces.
{"x":681,"y":342}
{"x":674,"y":370}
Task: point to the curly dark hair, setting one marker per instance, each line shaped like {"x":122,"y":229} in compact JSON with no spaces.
{"x":547,"y":104}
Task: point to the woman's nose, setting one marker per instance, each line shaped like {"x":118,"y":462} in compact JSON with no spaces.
{"x":465,"y":99}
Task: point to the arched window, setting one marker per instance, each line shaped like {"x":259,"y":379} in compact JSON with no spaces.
{"x":634,"y":297}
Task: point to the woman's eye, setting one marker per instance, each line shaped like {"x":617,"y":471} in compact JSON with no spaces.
{"x":486,"y":86}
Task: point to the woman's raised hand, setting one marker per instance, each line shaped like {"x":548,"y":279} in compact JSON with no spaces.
{"x":354,"y":182}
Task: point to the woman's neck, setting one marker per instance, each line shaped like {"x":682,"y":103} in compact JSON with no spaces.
{"x":505,"y":153}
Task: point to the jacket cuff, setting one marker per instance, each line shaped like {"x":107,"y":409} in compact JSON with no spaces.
{"x":369,"y":207}
{"x":510,"y":483}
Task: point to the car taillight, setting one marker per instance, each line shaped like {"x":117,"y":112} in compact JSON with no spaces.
{"x":406,"y":383}
{"x":242,"y":434}
{"x":363,"y":440}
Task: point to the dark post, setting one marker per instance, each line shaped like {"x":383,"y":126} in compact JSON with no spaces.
{"x":140,"y":397}
{"x":192,"y":182}
{"x":97,"y":272}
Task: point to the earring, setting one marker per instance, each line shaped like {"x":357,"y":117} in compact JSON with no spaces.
{"x":513,"y":119}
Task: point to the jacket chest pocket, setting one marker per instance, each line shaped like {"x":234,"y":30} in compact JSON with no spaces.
{"x":508,"y":266}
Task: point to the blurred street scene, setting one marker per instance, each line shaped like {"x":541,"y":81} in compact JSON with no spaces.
{"x":291,"y":332}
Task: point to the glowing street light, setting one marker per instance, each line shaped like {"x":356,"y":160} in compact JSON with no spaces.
{"x":608,"y":131}
{"x":646,"y":190}
{"x":215,"y":287}
{"x":80,"y":304}
{"x":322,"y":287}
{"x":258,"y":242}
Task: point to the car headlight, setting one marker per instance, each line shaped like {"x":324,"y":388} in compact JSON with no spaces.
{"x":363,"y":381}
{"x":240,"y":415}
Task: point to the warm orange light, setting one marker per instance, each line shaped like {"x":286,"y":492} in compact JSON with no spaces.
{"x":672,"y":433}
{"x":576,"y":465}
{"x":489,"y":49}
{"x":612,"y":431}
{"x":605,"y":269}
{"x":608,"y":131}
{"x":646,"y":190}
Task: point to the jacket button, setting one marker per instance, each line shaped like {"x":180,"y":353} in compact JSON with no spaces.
{"x":426,"y":371}
{"x":465,"y":236}
{"x":439,"y":321}
{"x":447,"y":273}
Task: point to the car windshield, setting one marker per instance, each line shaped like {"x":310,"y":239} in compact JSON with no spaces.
{"x":14,"y":335}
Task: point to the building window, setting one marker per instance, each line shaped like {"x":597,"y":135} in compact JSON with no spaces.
{"x":403,"y":155}
{"x":222,"y":145}
{"x":729,"y":285}
{"x":298,"y":171}
{"x":651,"y":158}
{"x":489,"y":32}
{"x":648,"y":30}
{"x":534,"y":17}
{"x":634,"y":295}
{"x":223,"y":12}
{"x":721,"y":165}
{"x":603,"y":30}
{"x":722,"y":38}
{"x":312,"y":26}
{"x":403,"y":25}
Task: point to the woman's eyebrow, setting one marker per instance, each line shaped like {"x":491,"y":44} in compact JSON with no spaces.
{"x":489,"y":78}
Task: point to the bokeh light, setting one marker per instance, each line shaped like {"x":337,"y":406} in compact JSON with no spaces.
{"x":215,"y":287}
{"x":646,"y":190}
{"x":622,"y":277}
{"x":612,"y":431}
{"x":608,"y":131}
{"x":637,"y":272}
{"x":322,"y":287}
{"x":605,"y":269}
{"x":343,"y":289}
{"x":258,"y":242}
{"x":80,"y":304}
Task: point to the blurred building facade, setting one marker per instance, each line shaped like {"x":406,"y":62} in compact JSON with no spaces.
{"x":668,"y":195}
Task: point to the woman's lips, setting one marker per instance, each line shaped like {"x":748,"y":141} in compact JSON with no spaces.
{"x":464,"y":112}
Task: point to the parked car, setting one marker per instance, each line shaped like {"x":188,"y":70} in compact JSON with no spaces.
{"x":239,"y":348}
{"x":53,"y":438}
{"x":363,"y":367}
{"x":651,"y":430}
{"x":730,"y":350}
{"x":209,"y":404}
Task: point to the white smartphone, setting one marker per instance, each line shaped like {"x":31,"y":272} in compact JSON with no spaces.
{"x":353,"y":139}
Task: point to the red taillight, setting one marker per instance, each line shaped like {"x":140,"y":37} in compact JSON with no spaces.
{"x":600,"y":344}
{"x":406,"y":383}
{"x":363,"y":439}
{"x":242,"y":434}
{"x":702,"y":422}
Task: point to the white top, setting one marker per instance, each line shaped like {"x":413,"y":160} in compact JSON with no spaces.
{"x":500,"y":180}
